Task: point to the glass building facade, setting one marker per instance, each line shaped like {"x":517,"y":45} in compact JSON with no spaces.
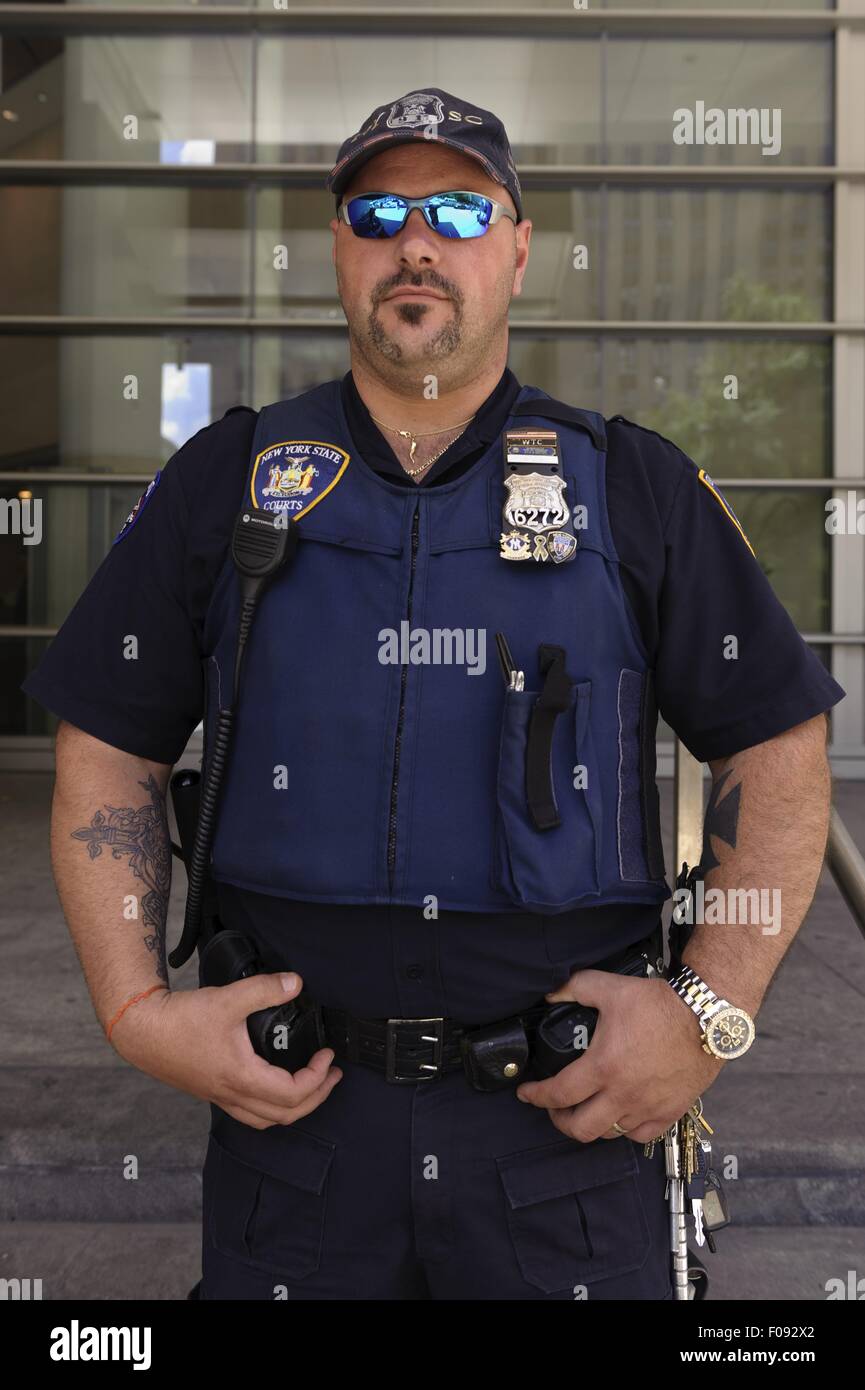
{"x":165,"y":254}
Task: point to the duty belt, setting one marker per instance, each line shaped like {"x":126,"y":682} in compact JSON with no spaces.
{"x":537,"y":1041}
{"x":493,"y":1056}
{"x":421,"y":1049}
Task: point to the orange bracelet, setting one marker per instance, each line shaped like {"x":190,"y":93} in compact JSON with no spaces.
{"x":136,"y":998}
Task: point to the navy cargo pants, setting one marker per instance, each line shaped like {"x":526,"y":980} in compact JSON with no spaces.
{"x":425,"y":1191}
{"x":428,"y":1190}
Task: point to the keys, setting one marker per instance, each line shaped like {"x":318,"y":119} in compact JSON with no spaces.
{"x":696,"y":1113}
{"x":697,"y":1213}
{"x":697,"y":1188}
{"x":675,"y":1195}
{"x":673,"y":1151}
{"x":649,"y":1149}
{"x":715,"y":1211}
{"x":690,"y":1155}
{"x":692,"y":1128}
{"x":695,"y":1155}
{"x":690,"y":1146}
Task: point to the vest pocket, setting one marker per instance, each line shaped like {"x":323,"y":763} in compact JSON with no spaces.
{"x":548,"y":870}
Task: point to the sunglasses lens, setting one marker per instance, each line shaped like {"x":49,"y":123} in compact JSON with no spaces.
{"x":376,"y":217}
{"x":454,"y":215}
{"x":460,"y":215}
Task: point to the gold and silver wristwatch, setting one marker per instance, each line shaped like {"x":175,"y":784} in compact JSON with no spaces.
{"x":728,"y":1031}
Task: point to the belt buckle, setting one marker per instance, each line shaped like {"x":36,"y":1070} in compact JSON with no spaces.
{"x":427,"y":1071}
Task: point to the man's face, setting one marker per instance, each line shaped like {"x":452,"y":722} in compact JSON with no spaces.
{"x":456,"y":319}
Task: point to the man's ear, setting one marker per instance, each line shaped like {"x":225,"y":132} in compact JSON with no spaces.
{"x":523,"y":231}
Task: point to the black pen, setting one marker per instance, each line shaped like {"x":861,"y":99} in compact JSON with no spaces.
{"x":514,"y":679}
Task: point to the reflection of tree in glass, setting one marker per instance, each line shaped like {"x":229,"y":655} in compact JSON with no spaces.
{"x":779,"y":427}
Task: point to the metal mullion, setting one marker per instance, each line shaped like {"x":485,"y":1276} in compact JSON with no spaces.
{"x":44,"y":475}
{"x":416,"y":19}
{"x":128,"y":324}
{"x":847,"y":554}
{"x":303,"y":175}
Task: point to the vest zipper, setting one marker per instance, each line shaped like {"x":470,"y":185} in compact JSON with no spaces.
{"x":391,"y":837}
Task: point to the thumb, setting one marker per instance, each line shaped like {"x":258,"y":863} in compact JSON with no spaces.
{"x":585,"y":987}
{"x":262,"y":992}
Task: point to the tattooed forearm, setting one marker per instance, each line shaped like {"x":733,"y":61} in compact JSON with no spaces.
{"x":143,"y":835}
{"x":722,"y":818}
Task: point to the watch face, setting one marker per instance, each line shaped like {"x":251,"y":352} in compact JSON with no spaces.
{"x":730,"y":1033}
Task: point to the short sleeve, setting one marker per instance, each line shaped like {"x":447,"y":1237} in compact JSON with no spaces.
{"x":731,"y":669}
{"x":125,"y":666}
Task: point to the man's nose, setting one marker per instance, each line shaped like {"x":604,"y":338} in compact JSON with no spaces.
{"x":417,"y":241}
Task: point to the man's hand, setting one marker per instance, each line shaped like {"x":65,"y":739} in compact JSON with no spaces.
{"x":643,"y":1068}
{"x":197,"y":1041}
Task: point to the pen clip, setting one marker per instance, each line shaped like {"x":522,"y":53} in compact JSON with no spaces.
{"x":514,"y":679}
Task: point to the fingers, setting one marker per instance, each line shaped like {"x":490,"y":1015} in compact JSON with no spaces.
{"x":647,"y":1130}
{"x":594,"y":1120}
{"x":245,"y":997}
{"x":269,"y":1091}
{"x":592,"y":987}
{"x":575,"y":1083}
{"x":262,"y":1112}
{"x":589,"y":1121}
{"x":283,"y":1091}
{"x":246,"y":1117}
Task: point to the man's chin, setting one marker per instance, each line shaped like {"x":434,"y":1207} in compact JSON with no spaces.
{"x":413,"y":349}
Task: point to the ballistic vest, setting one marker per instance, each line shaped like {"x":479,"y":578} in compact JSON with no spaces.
{"x":378,"y":754}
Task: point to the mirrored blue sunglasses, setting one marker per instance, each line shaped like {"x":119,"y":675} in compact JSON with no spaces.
{"x":457,"y":215}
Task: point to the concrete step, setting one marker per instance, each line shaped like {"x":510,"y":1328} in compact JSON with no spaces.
{"x":110,"y":1144}
{"x":161,"y":1260}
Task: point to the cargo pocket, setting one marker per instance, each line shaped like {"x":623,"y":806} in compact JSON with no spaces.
{"x":574,"y":1212}
{"x":548,"y":870}
{"x":270,"y":1217}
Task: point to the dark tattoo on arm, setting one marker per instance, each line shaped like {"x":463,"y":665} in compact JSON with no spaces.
{"x":143,"y":835}
{"x":722,"y":818}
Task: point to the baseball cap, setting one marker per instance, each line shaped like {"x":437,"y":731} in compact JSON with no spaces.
{"x":430,"y":115}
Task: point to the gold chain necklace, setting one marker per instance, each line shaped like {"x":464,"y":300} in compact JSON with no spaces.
{"x":408,"y":434}
{"x":413,"y":472}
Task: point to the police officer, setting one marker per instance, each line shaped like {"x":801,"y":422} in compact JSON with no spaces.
{"x":426,"y":829}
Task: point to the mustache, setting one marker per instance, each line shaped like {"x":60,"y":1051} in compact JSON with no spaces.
{"x":417,"y":282}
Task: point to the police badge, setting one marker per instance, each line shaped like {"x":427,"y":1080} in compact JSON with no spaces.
{"x":535,"y":514}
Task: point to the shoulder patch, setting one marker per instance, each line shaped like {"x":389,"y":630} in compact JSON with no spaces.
{"x":294,"y":475}
{"x":722,"y":501}
{"x":138,"y":508}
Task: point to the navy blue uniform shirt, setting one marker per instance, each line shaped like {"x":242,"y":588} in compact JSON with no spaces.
{"x":690,"y":579}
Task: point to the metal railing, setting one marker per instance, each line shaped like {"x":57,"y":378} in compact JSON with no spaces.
{"x":847,"y":867}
